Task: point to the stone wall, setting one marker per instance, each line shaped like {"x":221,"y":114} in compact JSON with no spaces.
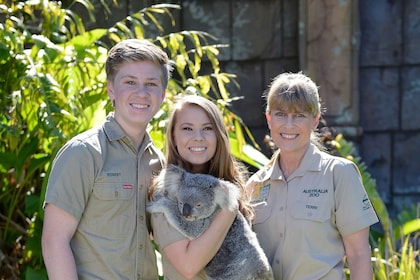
{"x":265,"y":39}
{"x":389,"y":78}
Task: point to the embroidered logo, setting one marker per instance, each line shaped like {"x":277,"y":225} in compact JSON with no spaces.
{"x":314,"y":192}
{"x":366,"y":203}
{"x":261,"y":192}
{"x":113,"y":174}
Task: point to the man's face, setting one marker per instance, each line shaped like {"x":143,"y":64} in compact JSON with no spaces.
{"x":137,"y":93}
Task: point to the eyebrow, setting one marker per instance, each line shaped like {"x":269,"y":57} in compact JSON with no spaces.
{"x":188,"y":123}
{"x":147,"y":78}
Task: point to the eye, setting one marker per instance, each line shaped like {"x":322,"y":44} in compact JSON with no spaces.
{"x":151,"y":84}
{"x":279,"y":114}
{"x":300,"y":115}
{"x":187,"y":128}
{"x":198,"y":205}
{"x":208,"y":128}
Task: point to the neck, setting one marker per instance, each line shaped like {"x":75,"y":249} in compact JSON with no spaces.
{"x":289,"y":162}
{"x":200,"y":168}
{"x":137,"y":140}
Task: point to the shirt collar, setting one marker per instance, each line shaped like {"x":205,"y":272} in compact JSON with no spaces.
{"x":311,"y":162}
{"x":114,"y":131}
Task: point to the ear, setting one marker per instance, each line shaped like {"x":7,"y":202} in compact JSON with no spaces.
{"x":268,"y":117}
{"x":171,"y":178}
{"x":227,"y":195}
{"x":110,"y":89}
{"x":316,"y":121}
{"x":163,"y":94}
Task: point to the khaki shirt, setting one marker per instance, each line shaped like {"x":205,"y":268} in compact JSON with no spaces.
{"x":164,"y":234}
{"x":299,"y":222}
{"x":100,"y":179}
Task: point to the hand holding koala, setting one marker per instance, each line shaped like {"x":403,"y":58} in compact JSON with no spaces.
{"x":190,"y":202}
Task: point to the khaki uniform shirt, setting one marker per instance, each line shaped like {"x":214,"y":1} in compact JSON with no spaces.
{"x":164,"y":234}
{"x":299,"y":222}
{"x":102,"y":180}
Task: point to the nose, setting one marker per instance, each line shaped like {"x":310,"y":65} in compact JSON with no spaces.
{"x":186,"y":210}
{"x":289,"y":120}
{"x":199,"y":135}
{"x":141,"y":90}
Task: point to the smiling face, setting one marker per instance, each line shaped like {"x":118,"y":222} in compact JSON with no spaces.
{"x":195,"y":137}
{"x":291,"y":130}
{"x":293,"y":112}
{"x":137,"y":93}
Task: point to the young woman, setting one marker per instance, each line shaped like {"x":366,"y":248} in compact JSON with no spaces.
{"x":197,"y":141}
{"x":312,"y":209}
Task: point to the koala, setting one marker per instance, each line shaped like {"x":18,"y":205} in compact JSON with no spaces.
{"x":190,"y":202}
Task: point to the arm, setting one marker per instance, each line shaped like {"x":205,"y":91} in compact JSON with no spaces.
{"x":190,"y":256}
{"x":358,"y":254}
{"x":59,"y":227}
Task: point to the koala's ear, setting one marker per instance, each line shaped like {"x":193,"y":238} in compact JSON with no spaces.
{"x":172,"y":180}
{"x":227,"y":195}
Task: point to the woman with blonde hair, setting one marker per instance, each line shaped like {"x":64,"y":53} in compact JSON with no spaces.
{"x":311,"y":209}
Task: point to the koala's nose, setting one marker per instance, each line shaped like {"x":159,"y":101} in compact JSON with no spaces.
{"x":186,"y":210}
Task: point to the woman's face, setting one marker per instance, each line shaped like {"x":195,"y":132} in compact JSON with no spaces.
{"x":291,"y":130}
{"x":195,"y":137}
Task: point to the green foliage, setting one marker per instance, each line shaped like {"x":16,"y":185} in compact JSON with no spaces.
{"x":53,"y":86}
{"x":395,"y":254}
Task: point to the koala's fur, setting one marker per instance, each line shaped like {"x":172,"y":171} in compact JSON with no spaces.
{"x":190,"y":202}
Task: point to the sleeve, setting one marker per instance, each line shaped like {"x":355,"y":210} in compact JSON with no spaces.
{"x":353,"y":208}
{"x":71,"y":179}
{"x":163,"y":233}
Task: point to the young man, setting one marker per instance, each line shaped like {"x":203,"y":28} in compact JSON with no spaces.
{"x":95,"y":224}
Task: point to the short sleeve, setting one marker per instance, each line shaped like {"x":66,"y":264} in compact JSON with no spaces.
{"x":71,"y":179}
{"x":163,"y":233}
{"x":353,"y":208}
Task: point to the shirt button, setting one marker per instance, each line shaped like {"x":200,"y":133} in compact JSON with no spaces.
{"x":281,"y":235}
{"x":281,"y":208}
{"x":141,"y":218}
{"x":141,"y":246}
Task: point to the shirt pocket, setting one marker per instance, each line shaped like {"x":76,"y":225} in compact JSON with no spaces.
{"x":113,"y":191}
{"x":303,"y":210}
{"x":111,"y":210}
{"x":262,"y":212}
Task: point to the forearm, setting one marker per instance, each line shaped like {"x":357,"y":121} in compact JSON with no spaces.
{"x":57,"y":231}
{"x":203,"y":249}
{"x":360,"y":267}
{"x":190,"y":256}
{"x":59,"y":261}
{"x":358,"y":255}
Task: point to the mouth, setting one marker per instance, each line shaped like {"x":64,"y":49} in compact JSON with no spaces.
{"x":197,"y":149}
{"x":289,"y":136}
{"x":139,"y":106}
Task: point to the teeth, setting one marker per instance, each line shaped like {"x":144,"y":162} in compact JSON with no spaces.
{"x":197,"y":149}
{"x":289,"y":136}
{"x":139,"y":106}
